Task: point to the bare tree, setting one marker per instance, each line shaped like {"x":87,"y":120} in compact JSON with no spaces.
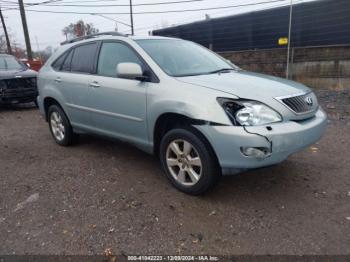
{"x":3,"y":45}
{"x":80,"y":28}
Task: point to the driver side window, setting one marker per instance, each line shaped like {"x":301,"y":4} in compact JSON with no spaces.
{"x":113,"y":53}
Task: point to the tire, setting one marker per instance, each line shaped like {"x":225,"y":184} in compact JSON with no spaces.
{"x":60,"y":127}
{"x":184,"y":170}
{"x":36,"y":103}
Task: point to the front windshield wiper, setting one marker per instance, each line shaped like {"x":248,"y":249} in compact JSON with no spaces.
{"x":222,"y":70}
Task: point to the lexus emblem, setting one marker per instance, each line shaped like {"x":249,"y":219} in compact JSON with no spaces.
{"x":309,"y":101}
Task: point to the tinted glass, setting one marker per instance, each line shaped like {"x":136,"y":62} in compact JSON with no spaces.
{"x":58,"y":63}
{"x":182,"y":58}
{"x":111,"y":55}
{"x":67,"y":61}
{"x":83,"y":58}
{"x":10,"y":63}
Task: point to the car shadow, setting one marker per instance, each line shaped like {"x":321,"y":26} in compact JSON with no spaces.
{"x":263,"y":182}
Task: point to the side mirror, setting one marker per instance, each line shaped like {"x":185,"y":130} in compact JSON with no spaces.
{"x":130,"y":71}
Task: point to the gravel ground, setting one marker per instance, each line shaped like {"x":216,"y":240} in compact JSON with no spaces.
{"x":100,"y":195}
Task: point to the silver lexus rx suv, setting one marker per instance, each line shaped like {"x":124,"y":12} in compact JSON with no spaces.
{"x":200,"y":114}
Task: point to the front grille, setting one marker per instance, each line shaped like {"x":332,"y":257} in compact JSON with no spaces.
{"x":21,"y":83}
{"x":301,"y":104}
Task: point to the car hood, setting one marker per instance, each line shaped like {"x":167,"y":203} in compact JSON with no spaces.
{"x":247,"y":85}
{"x":8,"y":74}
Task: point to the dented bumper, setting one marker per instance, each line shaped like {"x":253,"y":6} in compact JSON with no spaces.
{"x":18,"y":90}
{"x":282,"y":139}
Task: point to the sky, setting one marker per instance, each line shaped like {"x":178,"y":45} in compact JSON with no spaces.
{"x":45,"y":29}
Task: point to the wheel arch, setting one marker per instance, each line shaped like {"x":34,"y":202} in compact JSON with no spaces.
{"x":47,"y":102}
{"x":171,"y":120}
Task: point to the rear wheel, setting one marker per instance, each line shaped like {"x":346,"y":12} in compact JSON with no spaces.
{"x":188,"y":161}
{"x":60,"y":127}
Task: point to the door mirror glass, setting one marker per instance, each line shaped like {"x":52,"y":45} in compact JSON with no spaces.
{"x":129,"y":71}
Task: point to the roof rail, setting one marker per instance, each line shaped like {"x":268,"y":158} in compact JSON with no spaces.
{"x":112,"y":33}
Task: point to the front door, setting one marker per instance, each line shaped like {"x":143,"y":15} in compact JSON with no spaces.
{"x":119,"y":104}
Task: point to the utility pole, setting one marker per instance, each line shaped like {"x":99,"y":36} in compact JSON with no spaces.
{"x":25,"y":30}
{"x":131,"y":19}
{"x":289,"y":36}
{"x":9,"y":50}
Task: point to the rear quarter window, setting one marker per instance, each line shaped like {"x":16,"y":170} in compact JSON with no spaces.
{"x":67,"y":61}
{"x":59,"y":61}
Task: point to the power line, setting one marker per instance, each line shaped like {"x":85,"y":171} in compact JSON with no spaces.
{"x":48,"y":3}
{"x":267,"y":16}
{"x":80,"y":1}
{"x":121,"y":5}
{"x":332,"y":15}
{"x":151,"y":12}
{"x":112,"y":19}
{"x":40,"y":3}
{"x":190,"y":20}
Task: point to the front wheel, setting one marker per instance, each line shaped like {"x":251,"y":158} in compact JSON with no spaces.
{"x":188,"y":161}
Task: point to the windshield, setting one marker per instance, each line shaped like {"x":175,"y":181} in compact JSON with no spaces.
{"x":10,"y":63}
{"x":184,"y":58}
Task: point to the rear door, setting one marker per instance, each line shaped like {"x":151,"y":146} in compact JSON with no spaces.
{"x":74,"y":80}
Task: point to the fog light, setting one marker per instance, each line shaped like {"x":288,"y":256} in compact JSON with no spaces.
{"x":257,"y":152}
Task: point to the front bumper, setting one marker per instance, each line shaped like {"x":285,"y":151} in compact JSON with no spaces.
{"x":283,"y":139}
{"x":20,"y":90}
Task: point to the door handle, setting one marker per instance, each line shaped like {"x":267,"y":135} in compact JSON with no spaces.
{"x":58,"y":80}
{"x":94,"y":84}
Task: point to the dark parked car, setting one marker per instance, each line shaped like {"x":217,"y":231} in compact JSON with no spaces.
{"x":17,"y":81}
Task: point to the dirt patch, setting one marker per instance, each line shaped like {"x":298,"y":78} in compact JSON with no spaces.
{"x":100,"y":195}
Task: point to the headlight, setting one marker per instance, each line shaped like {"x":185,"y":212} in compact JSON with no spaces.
{"x":249,"y":113}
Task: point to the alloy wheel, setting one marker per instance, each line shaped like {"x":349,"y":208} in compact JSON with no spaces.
{"x":184,"y":162}
{"x":57,"y":126}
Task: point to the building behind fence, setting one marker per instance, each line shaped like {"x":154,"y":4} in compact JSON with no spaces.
{"x":320,"y":41}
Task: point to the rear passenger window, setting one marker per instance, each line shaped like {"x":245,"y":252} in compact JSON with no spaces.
{"x":111,"y":55}
{"x":83,"y":58}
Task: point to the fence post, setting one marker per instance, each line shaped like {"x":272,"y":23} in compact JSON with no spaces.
{"x":210,"y":31}
{"x":291,"y":66}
